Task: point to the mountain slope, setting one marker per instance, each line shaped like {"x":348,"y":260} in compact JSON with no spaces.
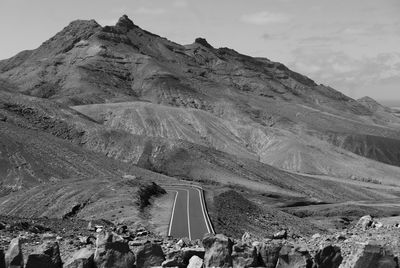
{"x":210,"y":97}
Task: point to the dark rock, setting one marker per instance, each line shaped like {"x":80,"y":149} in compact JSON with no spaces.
{"x":244,"y":255}
{"x":125,"y":22}
{"x":328,"y":257}
{"x":290,"y":258}
{"x":180,"y":258}
{"x":137,"y":243}
{"x":87,"y":240}
{"x":268,"y":254}
{"x":365,"y":222}
{"x":149,"y":255}
{"x":2,"y":259}
{"x":46,"y":255}
{"x":112,"y":251}
{"x":13,"y":255}
{"x":145,"y":193}
{"x":203,"y":42}
{"x":372,"y":256}
{"x":280,"y":235}
{"x":122,"y":229}
{"x":218,"y":250}
{"x":83,"y":258}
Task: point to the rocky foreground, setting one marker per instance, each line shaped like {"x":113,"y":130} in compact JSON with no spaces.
{"x":27,"y":243}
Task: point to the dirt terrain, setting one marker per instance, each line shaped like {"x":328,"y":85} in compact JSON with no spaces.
{"x":95,"y":113}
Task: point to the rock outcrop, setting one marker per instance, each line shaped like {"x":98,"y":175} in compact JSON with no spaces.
{"x":328,"y":257}
{"x":268,"y":254}
{"x":218,"y":251}
{"x":181,"y":257}
{"x":290,"y":257}
{"x":83,"y":258}
{"x":244,"y":255}
{"x":195,"y":262}
{"x":46,"y":255}
{"x":2,"y":259}
{"x":149,"y":255}
{"x":13,"y":256}
{"x":112,"y":252}
{"x":372,"y":256}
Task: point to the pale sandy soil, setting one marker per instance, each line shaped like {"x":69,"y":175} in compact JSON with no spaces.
{"x":160,"y":213}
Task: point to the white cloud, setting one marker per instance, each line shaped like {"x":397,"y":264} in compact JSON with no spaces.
{"x":264,"y":17}
{"x":355,"y":76}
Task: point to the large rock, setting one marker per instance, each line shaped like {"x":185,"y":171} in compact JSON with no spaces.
{"x":218,"y":250}
{"x":180,"y":258}
{"x":291,"y":258}
{"x":280,"y":235}
{"x":328,"y":257}
{"x":195,"y":262}
{"x":371,"y":256}
{"x":13,"y":255}
{"x":82,"y":258}
{"x":46,"y":255}
{"x":112,"y":252}
{"x":365,"y":222}
{"x":268,"y":254}
{"x":2,"y":259}
{"x":244,"y":255}
{"x":149,"y":255}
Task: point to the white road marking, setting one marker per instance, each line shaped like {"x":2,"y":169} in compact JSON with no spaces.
{"x":190,"y":236}
{"x":202,"y":208}
{"x":173,"y":212}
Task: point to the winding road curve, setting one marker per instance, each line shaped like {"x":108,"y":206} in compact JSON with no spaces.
{"x":189,"y":217}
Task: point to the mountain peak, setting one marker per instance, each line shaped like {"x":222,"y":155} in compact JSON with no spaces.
{"x":367,"y":99}
{"x":125,"y":22}
{"x":203,"y":42}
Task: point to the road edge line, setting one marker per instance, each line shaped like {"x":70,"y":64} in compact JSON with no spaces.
{"x":206,"y":212}
{"x":187,"y":211}
{"x":202,"y":208}
{"x":173,"y":212}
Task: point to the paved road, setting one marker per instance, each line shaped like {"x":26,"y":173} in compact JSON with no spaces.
{"x":189,"y":217}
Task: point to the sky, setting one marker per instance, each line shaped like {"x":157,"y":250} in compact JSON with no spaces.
{"x":350,"y":45}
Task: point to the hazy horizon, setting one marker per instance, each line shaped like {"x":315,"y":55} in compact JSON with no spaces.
{"x":351,"y":46}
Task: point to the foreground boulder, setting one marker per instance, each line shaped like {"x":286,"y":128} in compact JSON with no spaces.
{"x":267,"y":254}
{"x":2,"y":259}
{"x":180,"y":258}
{"x":112,"y":252}
{"x":244,"y":255}
{"x":365,"y":222}
{"x":46,"y":255}
{"x":218,"y":250}
{"x":328,"y":257}
{"x":372,"y":256}
{"x":291,"y":258}
{"x":13,"y":257}
{"x":149,"y":255}
{"x":82,"y":258}
{"x":195,"y":262}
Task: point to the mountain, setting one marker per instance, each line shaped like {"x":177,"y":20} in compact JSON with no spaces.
{"x":260,"y":107}
{"x":102,"y":103}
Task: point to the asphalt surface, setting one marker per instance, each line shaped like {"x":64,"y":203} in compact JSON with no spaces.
{"x":189,"y":217}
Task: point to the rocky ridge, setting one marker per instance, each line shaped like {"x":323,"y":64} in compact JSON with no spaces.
{"x":366,"y":244}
